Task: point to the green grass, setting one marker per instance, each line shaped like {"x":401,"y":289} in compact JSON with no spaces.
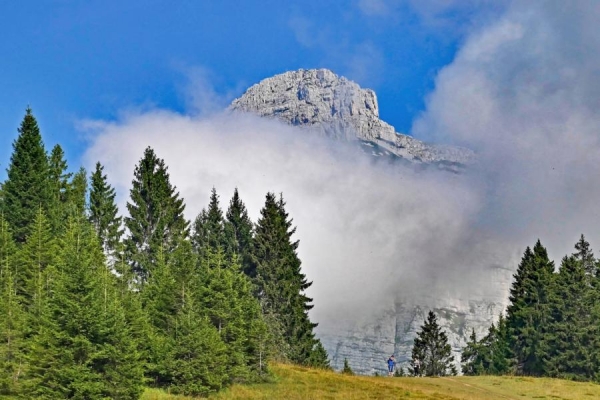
{"x":293,"y":382}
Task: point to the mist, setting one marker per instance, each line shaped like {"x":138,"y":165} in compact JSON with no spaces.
{"x":523,"y":92}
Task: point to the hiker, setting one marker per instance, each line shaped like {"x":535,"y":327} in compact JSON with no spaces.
{"x":416,"y":364}
{"x":391,"y":365}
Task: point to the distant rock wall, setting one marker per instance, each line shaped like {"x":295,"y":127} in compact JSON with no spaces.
{"x":320,"y":100}
{"x":367,"y":346}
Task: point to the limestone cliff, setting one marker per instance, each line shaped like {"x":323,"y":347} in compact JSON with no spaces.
{"x":320,"y":100}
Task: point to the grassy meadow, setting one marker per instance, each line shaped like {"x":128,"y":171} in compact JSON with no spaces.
{"x":294,"y":382}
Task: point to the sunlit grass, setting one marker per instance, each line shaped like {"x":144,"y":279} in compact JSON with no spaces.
{"x":293,"y":382}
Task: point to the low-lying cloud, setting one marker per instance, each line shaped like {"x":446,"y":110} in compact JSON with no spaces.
{"x":522,"y":91}
{"x":367,"y":231}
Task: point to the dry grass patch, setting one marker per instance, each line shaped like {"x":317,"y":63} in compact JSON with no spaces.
{"x":295,"y":383}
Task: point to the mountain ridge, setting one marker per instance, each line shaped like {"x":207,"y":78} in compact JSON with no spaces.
{"x":336,"y":107}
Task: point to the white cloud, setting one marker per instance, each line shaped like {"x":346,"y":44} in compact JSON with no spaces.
{"x":524,"y":93}
{"x":367,"y":232}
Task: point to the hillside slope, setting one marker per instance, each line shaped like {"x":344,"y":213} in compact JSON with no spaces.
{"x":294,"y":382}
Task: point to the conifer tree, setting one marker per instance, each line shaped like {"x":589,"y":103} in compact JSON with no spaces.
{"x":209,"y":228}
{"x":104,"y":213}
{"x":470,"y":362}
{"x":225,"y":297}
{"x":37,"y":254}
{"x":156,"y":219}
{"x":528,"y":313}
{"x":58,"y":184}
{"x":77,"y":193}
{"x":585,"y":256}
{"x":567,"y":343}
{"x":238,"y":230}
{"x":84,"y":347}
{"x":12,"y":316}
{"x":8,"y":249}
{"x":318,"y":357}
{"x":280,"y":281}
{"x":347,"y":370}
{"x":431,"y":351}
{"x":199,"y":360}
{"x":26,"y":189}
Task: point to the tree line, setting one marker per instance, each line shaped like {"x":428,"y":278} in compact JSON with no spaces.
{"x":94,"y":305}
{"x":552,"y":324}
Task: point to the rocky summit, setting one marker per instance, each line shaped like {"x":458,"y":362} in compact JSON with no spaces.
{"x":322,"y":101}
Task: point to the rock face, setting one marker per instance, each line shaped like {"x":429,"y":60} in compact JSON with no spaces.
{"x":320,"y":100}
{"x":368,"y":345}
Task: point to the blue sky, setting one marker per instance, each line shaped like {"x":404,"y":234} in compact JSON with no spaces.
{"x":76,"y":60}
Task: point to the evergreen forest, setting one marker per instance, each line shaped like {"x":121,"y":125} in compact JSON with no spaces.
{"x":96,"y":305}
{"x":552,"y":324}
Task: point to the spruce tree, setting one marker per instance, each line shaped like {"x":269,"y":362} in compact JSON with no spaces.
{"x":225,"y":297}
{"x":58,"y":185}
{"x":238,"y":231}
{"x":77,"y":193}
{"x":104,"y":213}
{"x":569,"y":335}
{"x":528,"y":313}
{"x":346,"y":370}
{"x":585,"y":256}
{"x":156,"y":219}
{"x":199,"y":360}
{"x":209,"y":228}
{"x":36,"y":255}
{"x":470,"y":356}
{"x":12,"y":316}
{"x":27,"y":186}
{"x":84,"y":347}
{"x":431,"y":351}
{"x":280,"y":281}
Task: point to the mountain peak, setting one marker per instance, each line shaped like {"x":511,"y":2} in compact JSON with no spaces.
{"x":339,"y":108}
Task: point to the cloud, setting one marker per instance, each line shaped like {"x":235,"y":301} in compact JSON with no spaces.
{"x":360,"y":60}
{"x":367,"y":231}
{"x":524,"y":92}
{"x":202,"y":91}
{"x":374,"y":7}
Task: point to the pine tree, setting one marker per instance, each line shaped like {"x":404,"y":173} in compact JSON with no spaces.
{"x":280,"y":281}
{"x":431,"y":351}
{"x":37,"y":254}
{"x":470,"y":357}
{"x":347,"y":370}
{"x":585,"y":256}
{"x":399,"y":373}
{"x":569,"y":337}
{"x":528,"y":313}
{"x":8,"y":249}
{"x":26,"y":189}
{"x":77,"y":193}
{"x":12,"y":331}
{"x":225,"y":297}
{"x":199,"y":359}
{"x":156,"y":219}
{"x":58,"y":185}
{"x":104,"y":213}
{"x":84,"y":347}
{"x":209,"y":228}
{"x":12,"y":316}
{"x":238,"y":232}
{"x":319,"y":357}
